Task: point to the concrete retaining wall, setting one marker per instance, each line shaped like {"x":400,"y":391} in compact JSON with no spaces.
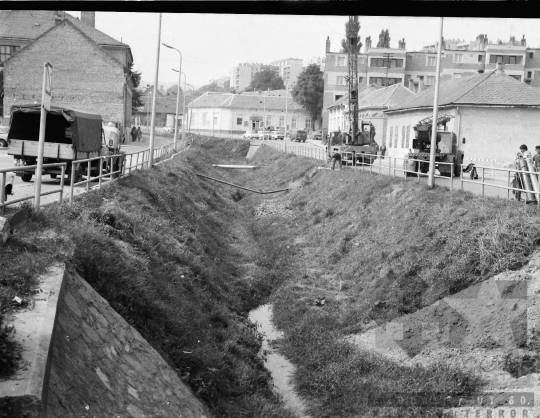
{"x":91,"y":362}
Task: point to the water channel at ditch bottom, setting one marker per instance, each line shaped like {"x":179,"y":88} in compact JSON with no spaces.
{"x":280,"y":368}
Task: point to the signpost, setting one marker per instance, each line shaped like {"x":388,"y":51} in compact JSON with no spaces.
{"x":45,"y":106}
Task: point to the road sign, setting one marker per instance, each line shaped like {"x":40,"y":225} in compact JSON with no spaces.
{"x":45,"y":106}
{"x":47,"y":86}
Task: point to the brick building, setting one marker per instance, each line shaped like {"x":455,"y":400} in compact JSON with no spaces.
{"x":90,"y":69}
{"x":492,"y":115}
{"x":416,"y":70}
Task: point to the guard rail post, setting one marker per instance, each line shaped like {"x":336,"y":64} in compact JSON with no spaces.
{"x":483,"y":181}
{"x":88,"y":178}
{"x":3,"y":192}
{"x":508,"y":184}
{"x":390,"y":166}
{"x":371,"y":165}
{"x":100,"y":170}
{"x":62,"y":174}
{"x":72,"y":176}
{"x":452,"y":176}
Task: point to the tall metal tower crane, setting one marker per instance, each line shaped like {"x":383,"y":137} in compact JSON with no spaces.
{"x":352,"y":78}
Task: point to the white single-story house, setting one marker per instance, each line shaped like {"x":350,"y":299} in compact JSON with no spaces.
{"x":493,"y":114}
{"x":238,"y":113}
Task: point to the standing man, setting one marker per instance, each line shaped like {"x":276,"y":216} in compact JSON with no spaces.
{"x":536,"y":158}
{"x":139,"y":133}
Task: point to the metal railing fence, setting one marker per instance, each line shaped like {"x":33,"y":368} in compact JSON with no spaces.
{"x":392,"y":165}
{"x":3,"y":182}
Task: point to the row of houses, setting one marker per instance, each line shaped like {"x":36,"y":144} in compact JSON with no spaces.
{"x":492,"y":115}
{"x":91,"y":70}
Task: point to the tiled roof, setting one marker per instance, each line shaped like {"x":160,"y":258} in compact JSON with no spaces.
{"x":386,"y":97}
{"x":484,"y":89}
{"x":163,"y":105}
{"x":240,"y":101}
{"x":30,"y":24}
{"x":361,"y":94}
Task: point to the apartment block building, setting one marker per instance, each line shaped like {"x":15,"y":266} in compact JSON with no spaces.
{"x":318,"y":61}
{"x":289,"y":69}
{"x":242,"y":74}
{"x":416,"y":70}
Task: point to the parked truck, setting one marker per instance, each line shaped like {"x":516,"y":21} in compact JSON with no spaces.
{"x":70,"y":135}
{"x":362,"y":149}
{"x":417,"y":159}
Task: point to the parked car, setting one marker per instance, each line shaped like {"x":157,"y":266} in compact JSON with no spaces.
{"x":4,"y":141}
{"x":298,"y":135}
{"x":263,"y":134}
{"x":315,"y":135}
{"x":278,"y":133}
{"x":251,"y":135}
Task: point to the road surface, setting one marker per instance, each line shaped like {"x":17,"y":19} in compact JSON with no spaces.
{"x":23,"y":189}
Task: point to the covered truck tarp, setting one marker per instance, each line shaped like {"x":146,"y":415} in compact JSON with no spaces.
{"x":65,"y":126}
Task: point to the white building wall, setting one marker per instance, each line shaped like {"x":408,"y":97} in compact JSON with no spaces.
{"x":496,"y":133}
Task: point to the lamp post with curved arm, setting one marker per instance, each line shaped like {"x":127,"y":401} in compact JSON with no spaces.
{"x":178,"y":95}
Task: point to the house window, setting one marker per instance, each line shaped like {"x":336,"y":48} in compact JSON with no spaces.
{"x":308,"y":123}
{"x":215,"y":120}
{"x":384,"y":62}
{"x":383,"y":81}
{"x":458,"y":58}
{"x":517,"y":77}
{"x":390,"y":137}
{"x":479,"y":58}
{"x":293,"y":122}
{"x":340,"y":80}
{"x":268,"y":120}
{"x":530,"y":55}
{"x":246,"y":124}
{"x":340,"y":62}
{"x":360,"y":80}
{"x":529,"y":74}
{"x":403,"y":137}
{"x":408,"y":135}
{"x":337,"y":96}
{"x":204,"y":121}
{"x":282,"y":121}
{"x":431,"y":61}
{"x":505,"y":59}
{"x":7,"y":51}
{"x":239,"y":121}
{"x":430,"y":80}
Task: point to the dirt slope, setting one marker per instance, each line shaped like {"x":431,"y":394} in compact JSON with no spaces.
{"x":489,"y":328}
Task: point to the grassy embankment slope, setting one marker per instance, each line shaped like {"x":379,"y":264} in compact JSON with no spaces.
{"x":178,"y":261}
{"x":392,"y":247}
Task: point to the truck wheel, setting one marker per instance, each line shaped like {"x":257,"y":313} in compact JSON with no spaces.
{"x":26,"y":177}
{"x":3,"y":143}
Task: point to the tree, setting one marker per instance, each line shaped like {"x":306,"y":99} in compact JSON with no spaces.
{"x":136,"y":101}
{"x":173,"y":90}
{"x":351,"y":30}
{"x":309,"y":90}
{"x":384,"y":39}
{"x":266,"y":79}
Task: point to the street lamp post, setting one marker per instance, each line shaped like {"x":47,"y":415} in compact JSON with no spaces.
{"x":153,"y":124}
{"x":178,"y":93}
{"x":191,"y":111}
{"x":286,"y":113}
{"x":183,"y":108}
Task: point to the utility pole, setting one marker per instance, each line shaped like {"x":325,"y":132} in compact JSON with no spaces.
{"x":431,"y":176}
{"x":352,"y":39}
{"x":388,"y":57}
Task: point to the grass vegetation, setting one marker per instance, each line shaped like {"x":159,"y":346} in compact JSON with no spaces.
{"x":378,"y":248}
{"x":175,"y":257}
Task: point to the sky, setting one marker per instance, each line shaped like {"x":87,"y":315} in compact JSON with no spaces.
{"x":211,"y":44}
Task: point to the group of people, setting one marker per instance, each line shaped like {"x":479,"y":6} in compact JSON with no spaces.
{"x":524,"y":153}
{"x":136,"y":134}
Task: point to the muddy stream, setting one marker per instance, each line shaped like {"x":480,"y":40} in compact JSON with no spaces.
{"x":280,"y":368}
